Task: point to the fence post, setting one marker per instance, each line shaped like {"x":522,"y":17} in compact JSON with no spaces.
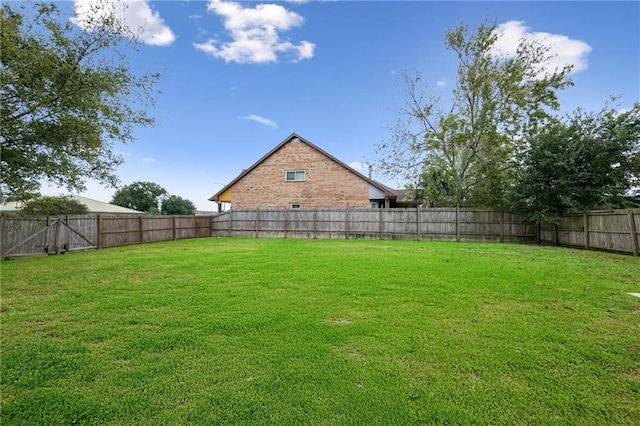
{"x":230,"y":221}
{"x":195,"y":226}
{"x":634,"y":234}
{"x":346,"y":224}
{"x":315,"y":224}
{"x":556,"y":239}
{"x":502,"y":226}
{"x":585,"y":228}
{"x":286,"y":224}
{"x":59,"y":237}
{"x":3,"y":238}
{"x":47,"y":236}
{"x":173,"y":223}
{"x":381,"y":224}
{"x":418,"y":223}
{"x":65,"y":236}
{"x":257,"y":220}
{"x":99,"y":236}
{"x":140,"y":226}
{"x":458,"y":222}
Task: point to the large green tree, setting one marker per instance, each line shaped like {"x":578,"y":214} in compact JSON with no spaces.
{"x":174,"y":204}
{"x":469,"y":141}
{"x":141,"y":196}
{"x":67,"y":96}
{"x":586,"y":161}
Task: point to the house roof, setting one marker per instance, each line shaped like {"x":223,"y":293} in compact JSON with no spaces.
{"x":388,"y":192}
{"x":94,"y":206}
{"x":403,"y":196}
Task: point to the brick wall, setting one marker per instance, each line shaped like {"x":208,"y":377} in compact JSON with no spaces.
{"x":327,"y":184}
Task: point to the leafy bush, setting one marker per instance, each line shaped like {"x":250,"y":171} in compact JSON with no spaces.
{"x":46,"y":206}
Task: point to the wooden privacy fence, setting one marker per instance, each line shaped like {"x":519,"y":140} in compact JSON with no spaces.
{"x":22,"y":236}
{"x":404,"y":224}
{"x":123,"y":230}
{"x":615,"y":230}
{"x":41,"y":236}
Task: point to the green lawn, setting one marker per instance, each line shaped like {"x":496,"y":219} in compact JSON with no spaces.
{"x":259,"y":331}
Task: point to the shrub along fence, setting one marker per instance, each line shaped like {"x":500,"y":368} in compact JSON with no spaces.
{"x":615,"y":230}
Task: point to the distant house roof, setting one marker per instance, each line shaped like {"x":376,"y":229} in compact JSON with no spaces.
{"x":403,"y":196}
{"x":385,"y":189}
{"x":94,"y":206}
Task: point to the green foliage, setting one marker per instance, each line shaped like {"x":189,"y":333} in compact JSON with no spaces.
{"x":435,"y":187}
{"x":174,"y":204}
{"x":148,"y":197}
{"x":141,"y":196}
{"x":471,"y":140}
{"x":46,"y":206}
{"x":588,"y":161}
{"x":219,"y":331}
{"x":67,"y":96}
{"x":153,"y":211}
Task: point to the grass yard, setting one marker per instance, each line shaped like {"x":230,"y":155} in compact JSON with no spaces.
{"x":272,"y":331}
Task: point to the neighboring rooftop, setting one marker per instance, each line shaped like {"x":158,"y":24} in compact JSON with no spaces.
{"x":94,"y":206}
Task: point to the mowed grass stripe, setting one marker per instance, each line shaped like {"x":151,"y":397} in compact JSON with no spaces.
{"x":259,"y":331}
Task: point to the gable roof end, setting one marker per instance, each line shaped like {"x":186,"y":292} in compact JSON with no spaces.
{"x":386,"y":190}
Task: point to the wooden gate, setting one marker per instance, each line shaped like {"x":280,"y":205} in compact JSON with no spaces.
{"x":52,"y":235}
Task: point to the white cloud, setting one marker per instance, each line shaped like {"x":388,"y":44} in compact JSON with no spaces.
{"x":297,"y":1}
{"x":139,"y":19}
{"x":255,"y":33}
{"x":148,"y":160}
{"x":441,"y":83}
{"x":267,"y":122}
{"x":563,"y":50}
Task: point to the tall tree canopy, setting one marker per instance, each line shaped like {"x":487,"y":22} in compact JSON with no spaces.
{"x":141,"y":196}
{"x":587,"y":161}
{"x":67,"y":96}
{"x":460,"y":152}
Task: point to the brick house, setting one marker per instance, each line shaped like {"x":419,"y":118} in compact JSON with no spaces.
{"x":298,"y":174}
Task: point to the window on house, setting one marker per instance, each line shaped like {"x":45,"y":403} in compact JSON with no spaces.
{"x":296,"y":205}
{"x":295,"y":175}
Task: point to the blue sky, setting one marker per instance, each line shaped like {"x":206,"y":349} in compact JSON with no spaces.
{"x":239,"y":77}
